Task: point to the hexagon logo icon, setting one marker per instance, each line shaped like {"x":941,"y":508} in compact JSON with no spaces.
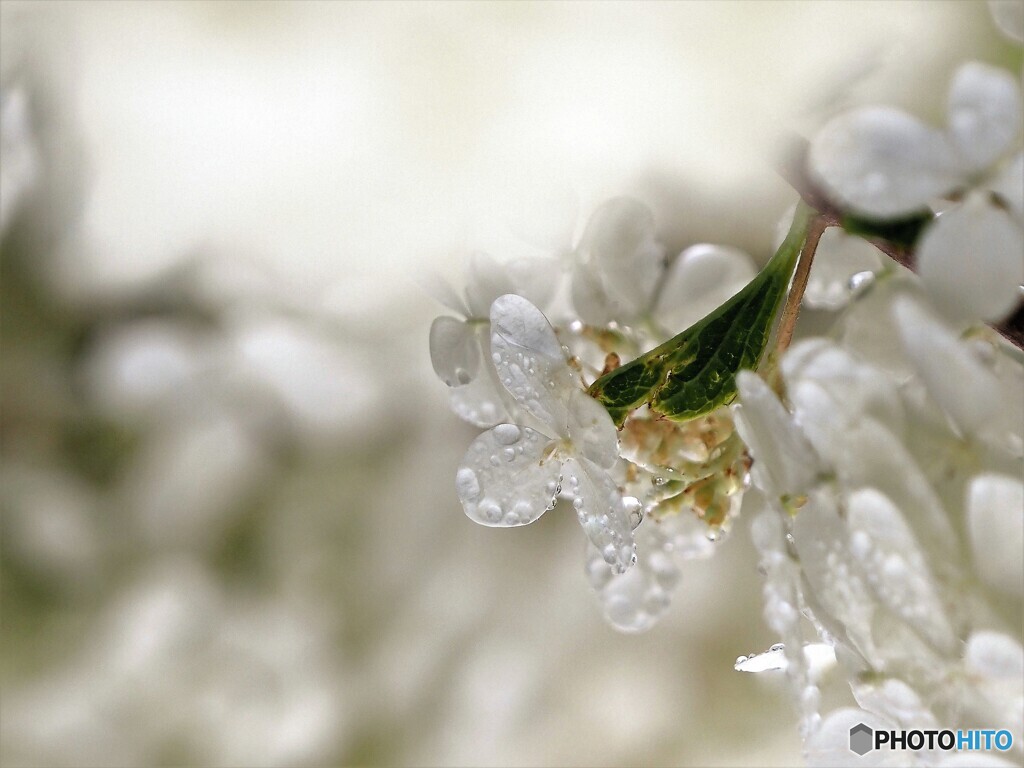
{"x":861,"y":738}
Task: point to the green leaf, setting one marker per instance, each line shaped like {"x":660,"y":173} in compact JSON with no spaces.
{"x":902,"y":232}
{"x":693,"y":373}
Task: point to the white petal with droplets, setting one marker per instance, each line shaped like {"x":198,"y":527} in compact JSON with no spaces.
{"x":839,"y":257}
{"x":454,"y":351}
{"x":600,"y":510}
{"x":882,"y":162}
{"x":894,"y":566}
{"x":702,"y":278}
{"x":995,"y":516}
{"x":508,"y":477}
{"x":983,"y":114}
{"x":955,"y":378}
{"x":530,"y":361}
{"x":971,"y":261}
{"x":591,"y":429}
{"x":481,"y":402}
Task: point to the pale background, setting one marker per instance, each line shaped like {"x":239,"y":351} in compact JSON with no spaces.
{"x":229,"y":529}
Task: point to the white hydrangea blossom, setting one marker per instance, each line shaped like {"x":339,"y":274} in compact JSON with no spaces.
{"x":885,"y":164}
{"x":895,"y":527}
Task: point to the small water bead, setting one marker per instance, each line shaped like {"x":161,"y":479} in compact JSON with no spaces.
{"x":608,"y":553}
{"x":577,"y":503}
{"x":496,"y":358}
{"x":462,"y":376}
{"x":509,"y":454}
{"x":861,"y":280}
{"x":659,"y":480}
{"x":467,"y":484}
{"x":490,"y":510}
{"x":634,"y":509}
{"x":495,"y":461}
{"x":778,"y":647}
{"x":507,"y":434}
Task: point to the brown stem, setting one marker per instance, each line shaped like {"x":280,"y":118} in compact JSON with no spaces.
{"x":793,"y":169}
{"x":791,"y":309}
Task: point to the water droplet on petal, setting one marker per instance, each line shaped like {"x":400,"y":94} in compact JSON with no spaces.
{"x":467,"y":484}
{"x":861,"y":280}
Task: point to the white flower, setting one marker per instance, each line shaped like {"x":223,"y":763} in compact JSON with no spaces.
{"x":457,"y":345}
{"x":895,"y":529}
{"x":19,"y":160}
{"x":513,"y":473}
{"x":620,"y":275}
{"x":883,"y":163}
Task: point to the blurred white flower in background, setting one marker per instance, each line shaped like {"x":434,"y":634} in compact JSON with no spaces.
{"x":19,"y":159}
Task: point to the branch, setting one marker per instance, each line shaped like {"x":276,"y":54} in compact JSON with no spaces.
{"x":793,"y":170}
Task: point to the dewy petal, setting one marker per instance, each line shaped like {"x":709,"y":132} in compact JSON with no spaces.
{"x":592,"y":430}
{"x":481,"y":402}
{"x":995,"y":516}
{"x":1009,"y":17}
{"x":454,"y":351}
{"x":984,"y":113}
{"x":635,"y":600}
{"x":971,"y":261}
{"x":530,"y":361}
{"x":882,"y":162}
{"x":702,"y":278}
{"x":955,"y":378}
{"x":784,"y":462}
{"x":894,"y":566}
{"x":839,"y":257}
{"x":619,"y":241}
{"x":601,"y":511}
{"x":1008,"y":184}
{"x":488,"y":279}
{"x":508,"y":477}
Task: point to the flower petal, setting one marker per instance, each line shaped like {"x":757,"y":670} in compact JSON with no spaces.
{"x":589,"y":299}
{"x":882,"y":162}
{"x":530,"y":361}
{"x":535,"y":279}
{"x":701,"y":279}
{"x":839,"y":257}
{"x":601,"y":511}
{"x":635,"y":600}
{"x":481,"y":402}
{"x":488,"y":279}
{"x":894,"y":566}
{"x":954,"y":376}
{"x":508,"y":477}
{"x":619,"y":241}
{"x":971,"y":260}
{"x":785,"y":463}
{"x":441,"y":291}
{"x":1009,"y":17}
{"x":454,"y":351}
{"x":983,"y":113}
{"x":996,"y":523}
{"x":1008,"y":184}
{"x":592,"y":430}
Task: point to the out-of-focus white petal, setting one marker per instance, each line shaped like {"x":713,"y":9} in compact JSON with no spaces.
{"x":971,"y":261}
{"x":488,"y":279}
{"x":829,"y":746}
{"x":535,"y":279}
{"x":19,"y":158}
{"x":620,"y":243}
{"x":894,"y":566}
{"x":995,"y":516}
{"x":591,"y":429}
{"x":635,"y":600}
{"x":601,"y":512}
{"x":1009,"y":17}
{"x":983,"y":113}
{"x":955,"y":378}
{"x":1009,"y":185}
{"x":700,"y":279}
{"x":441,"y":291}
{"x":839,"y":257}
{"x":996,"y":656}
{"x":530,"y":361}
{"x":592,"y":304}
{"x":783,"y":459}
{"x":547,"y":221}
{"x":480,"y":402}
{"x":454,"y":351}
{"x":894,"y":700}
{"x":882,"y":162}
{"x":508,"y":476}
